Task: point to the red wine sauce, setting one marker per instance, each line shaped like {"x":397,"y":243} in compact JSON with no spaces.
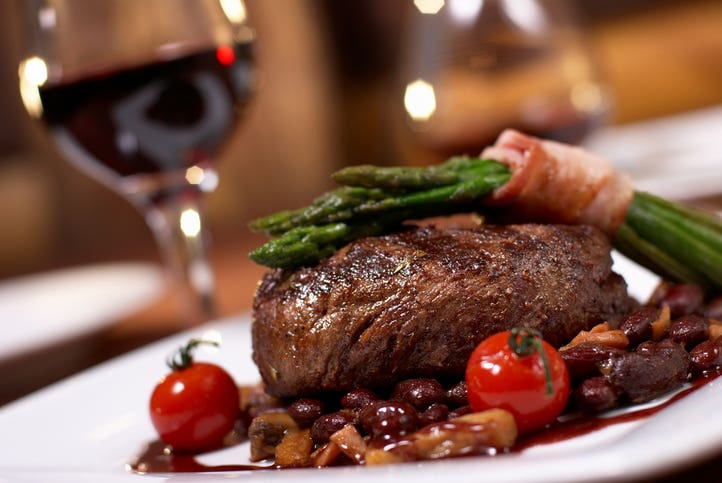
{"x":582,"y":425}
{"x":156,"y":459}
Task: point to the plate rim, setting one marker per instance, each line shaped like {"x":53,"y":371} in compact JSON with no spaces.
{"x":29,"y":284}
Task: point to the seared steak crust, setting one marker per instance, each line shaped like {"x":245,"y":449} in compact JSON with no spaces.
{"x":416,"y":303}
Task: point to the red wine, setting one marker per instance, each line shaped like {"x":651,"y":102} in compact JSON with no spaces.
{"x":155,"y":118}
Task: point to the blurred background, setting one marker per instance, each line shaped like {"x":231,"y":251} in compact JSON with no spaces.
{"x":326,"y":74}
{"x":326,"y":67}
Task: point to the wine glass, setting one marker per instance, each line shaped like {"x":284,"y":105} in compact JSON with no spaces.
{"x":471,"y":68}
{"x":141,"y":96}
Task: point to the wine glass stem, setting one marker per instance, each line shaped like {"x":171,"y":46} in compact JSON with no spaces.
{"x":178,"y":225}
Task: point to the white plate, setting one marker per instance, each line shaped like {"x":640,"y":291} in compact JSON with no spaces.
{"x":40,"y":310}
{"x":86,"y":428}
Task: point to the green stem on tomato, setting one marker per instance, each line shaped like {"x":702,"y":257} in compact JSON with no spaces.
{"x":182,"y":358}
{"x":524,"y":342}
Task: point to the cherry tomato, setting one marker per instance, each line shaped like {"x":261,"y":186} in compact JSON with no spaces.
{"x":498,"y":377}
{"x":196,"y":405}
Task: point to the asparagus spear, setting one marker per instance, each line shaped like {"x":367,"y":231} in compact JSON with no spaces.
{"x":676,"y":241}
{"x":309,"y":244}
{"x":455,"y":170}
{"x":380,"y":200}
{"x":371,"y":190}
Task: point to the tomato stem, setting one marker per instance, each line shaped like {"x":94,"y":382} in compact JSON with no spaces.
{"x":525,"y":342}
{"x":183,"y":357}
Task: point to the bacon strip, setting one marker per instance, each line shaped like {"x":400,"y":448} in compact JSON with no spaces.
{"x":557,"y":183}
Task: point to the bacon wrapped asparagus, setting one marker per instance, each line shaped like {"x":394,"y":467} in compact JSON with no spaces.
{"x":521,"y":179}
{"x":558,"y":183}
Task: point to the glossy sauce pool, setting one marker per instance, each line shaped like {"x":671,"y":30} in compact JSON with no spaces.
{"x":156,"y":458}
{"x":585,"y":424}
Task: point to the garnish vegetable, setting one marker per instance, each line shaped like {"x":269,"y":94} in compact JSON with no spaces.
{"x":373,"y":201}
{"x":518,"y":371}
{"x":678,"y":242}
{"x":196,"y":405}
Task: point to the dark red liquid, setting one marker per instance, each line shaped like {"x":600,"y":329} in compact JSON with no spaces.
{"x":155,"y":459}
{"x":585,"y":424}
{"x":153,"y":118}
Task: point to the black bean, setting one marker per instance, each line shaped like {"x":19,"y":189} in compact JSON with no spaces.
{"x":647,"y":346}
{"x":305,"y":411}
{"x":435,"y":413}
{"x":358,"y":398}
{"x":637,"y":326}
{"x":706,"y":355}
{"x":683,"y":299}
{"x":456,"y":395}
{"x":654,"y":369}
{"x":326,"y":425}
{"x":389,"y":419}
{"x":460,"y":411}
{"x":689,"y":330}
{"x":583,"y":360}
{"x":420,"y":393}
{"x":595,"y":395}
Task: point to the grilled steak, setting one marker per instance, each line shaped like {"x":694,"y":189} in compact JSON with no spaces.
{"x":416,"y":303}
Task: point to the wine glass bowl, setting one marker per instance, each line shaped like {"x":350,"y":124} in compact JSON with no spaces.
{"x":141,"y":96}
{"x":471,"y":68}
